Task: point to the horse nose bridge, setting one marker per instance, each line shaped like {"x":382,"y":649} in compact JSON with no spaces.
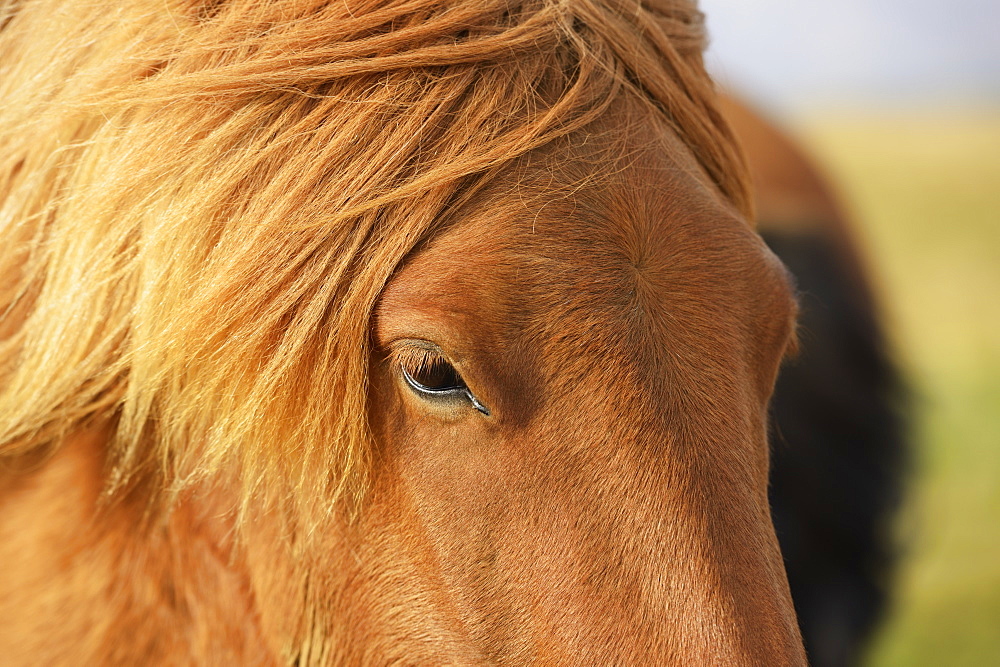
{"x":746,"y":583}
{"x":735,"y":608}
{"x":697,"y":497}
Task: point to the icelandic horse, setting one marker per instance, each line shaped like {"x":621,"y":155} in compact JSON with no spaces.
{"x":386,"y":331}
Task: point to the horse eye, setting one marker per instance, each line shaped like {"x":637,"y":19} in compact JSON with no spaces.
{"x":434,"y":375}
{"x":433,"y":378}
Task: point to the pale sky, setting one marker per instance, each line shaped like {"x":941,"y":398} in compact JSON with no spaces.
{"x":803,"y":54}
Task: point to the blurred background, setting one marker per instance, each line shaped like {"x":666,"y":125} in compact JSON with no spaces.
{"x":899,"y":101}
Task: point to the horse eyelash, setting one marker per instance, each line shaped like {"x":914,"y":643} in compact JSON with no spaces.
{"x":415,"y":359}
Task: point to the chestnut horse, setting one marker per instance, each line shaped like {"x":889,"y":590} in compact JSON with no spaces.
{"x":369,"y":332}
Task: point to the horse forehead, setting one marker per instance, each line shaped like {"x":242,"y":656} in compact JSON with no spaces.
{"x":524,"y":258}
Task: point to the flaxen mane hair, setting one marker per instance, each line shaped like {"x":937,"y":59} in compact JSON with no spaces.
{"x":202,"y":200}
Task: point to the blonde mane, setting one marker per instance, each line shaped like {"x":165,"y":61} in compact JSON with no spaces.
{"x":200,"y":205}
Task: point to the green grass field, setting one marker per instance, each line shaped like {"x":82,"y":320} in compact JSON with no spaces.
{"x":925,"y":191}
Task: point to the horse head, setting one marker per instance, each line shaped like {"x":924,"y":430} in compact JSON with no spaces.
{"x":420,"y":332}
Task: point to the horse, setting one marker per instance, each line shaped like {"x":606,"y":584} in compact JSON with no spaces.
{"x":382,"y":331}
{"x":840,"y":411}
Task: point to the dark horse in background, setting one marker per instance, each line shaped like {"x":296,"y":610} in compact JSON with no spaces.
{"x":838,"y":432}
